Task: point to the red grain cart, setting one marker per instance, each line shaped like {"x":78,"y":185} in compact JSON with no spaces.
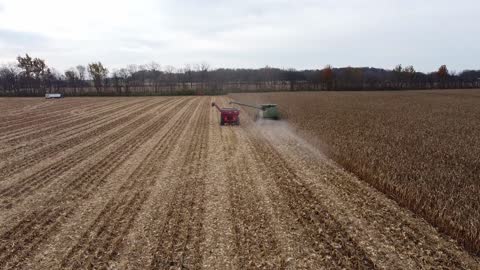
{"x":228,"y":116}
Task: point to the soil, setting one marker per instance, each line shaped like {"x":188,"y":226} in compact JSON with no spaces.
{"x":157,"y":183}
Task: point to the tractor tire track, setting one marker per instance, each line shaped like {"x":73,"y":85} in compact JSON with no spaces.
{"x":52,"y":106}
{"x":39,"y":111}
{"x":219,"y":235}
{"x":182,"y":233}
{"x":45,"y":118}
{"x":56,"y":124}
{"x":34,"y":132}
{"x":256,"y":245}
{"x":20,"y":106}
{"x":102,"y":241}
{"x":20,"y":241}
{"x":11,"y":150}
{"x":28,"y":185}
{"x":26,"y":122}
{"x":22,"y":150}
{"x":51,"y":151}
{"x":323,"y":232}
{"x":177,"y":191}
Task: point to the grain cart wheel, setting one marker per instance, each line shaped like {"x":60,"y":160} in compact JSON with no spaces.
{"x":222,"y":122}
{"x":238,"y":122}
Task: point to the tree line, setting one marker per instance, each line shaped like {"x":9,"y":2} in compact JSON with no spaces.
{"x":32,"y":77}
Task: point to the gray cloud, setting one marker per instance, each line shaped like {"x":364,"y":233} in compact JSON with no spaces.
{"x":253,"y":33}
{"x":22,"y":40}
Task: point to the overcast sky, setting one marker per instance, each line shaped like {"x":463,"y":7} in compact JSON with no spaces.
{"x":249,"y":33}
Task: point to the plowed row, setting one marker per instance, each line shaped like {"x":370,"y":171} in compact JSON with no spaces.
{"x":157,"y":183}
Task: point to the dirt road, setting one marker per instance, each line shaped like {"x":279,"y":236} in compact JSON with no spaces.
{"x":157,"y":183}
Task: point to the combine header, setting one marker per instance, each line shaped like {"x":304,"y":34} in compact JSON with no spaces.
{"x":265,"y":111}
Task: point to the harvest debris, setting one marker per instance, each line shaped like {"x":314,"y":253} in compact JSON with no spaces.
{"x":158,"y":183}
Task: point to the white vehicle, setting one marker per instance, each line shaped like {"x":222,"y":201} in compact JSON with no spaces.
{"x":53,"y":95}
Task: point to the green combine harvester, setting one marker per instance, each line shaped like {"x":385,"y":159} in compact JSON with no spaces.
{"x":265,"y":111}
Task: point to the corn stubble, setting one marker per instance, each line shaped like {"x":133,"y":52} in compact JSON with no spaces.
{"x":421,"y":148}
{"x":157,"y":183}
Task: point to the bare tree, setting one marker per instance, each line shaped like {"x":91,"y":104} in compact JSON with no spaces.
{"x":443,"y":75}
{"x":188,"y":74}
{"x":327,"y":76}
{"x":410,"y":74}
{"x":133,"y":82}
{"x":204,"y":68}
{"x":125,"y":76}
{"x":398,"y":68}
{"x":98,"y":73}
{"x":9,"y":74}
{"x":116,"y":81}
{"x":398,"y":76}
{"x":81,"y":72}
{"x":153,"y":66}
{"x":169,"y":69}
{"x":33,"y":71}
{"x":170,"y":77}
{"x":72,"y":79}
{"x":52,"y":80}
{"x":132,"y":68}
{"x":30,"y":75}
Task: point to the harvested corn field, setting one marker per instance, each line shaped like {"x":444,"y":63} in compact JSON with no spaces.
{"x":157,"y":183}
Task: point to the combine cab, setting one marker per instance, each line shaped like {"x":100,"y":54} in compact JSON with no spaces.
{"x":228,"y":116}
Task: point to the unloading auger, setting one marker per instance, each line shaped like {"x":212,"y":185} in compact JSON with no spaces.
{"x":265,"y":111}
